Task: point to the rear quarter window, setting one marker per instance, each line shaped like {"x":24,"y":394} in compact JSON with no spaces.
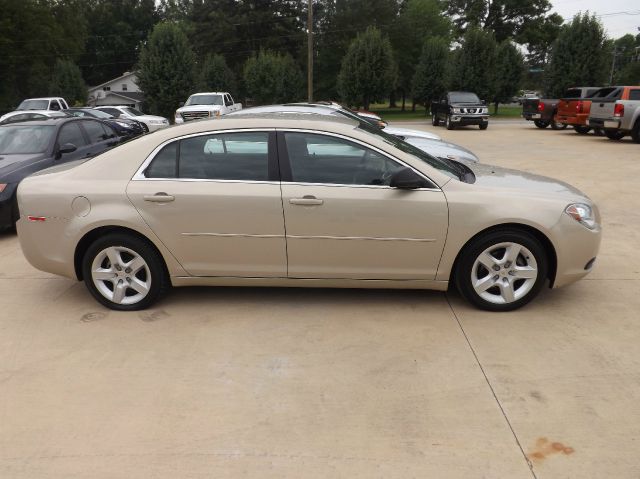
{"x":634,"y":94}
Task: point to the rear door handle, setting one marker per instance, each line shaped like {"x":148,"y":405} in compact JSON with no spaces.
{"x":159,"y":198}
{"x":306,"y":200}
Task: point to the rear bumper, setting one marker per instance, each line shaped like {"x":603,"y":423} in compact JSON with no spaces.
{"x":605,"y":123}
{"x":532,"y":116}
{"x":573,"y":120}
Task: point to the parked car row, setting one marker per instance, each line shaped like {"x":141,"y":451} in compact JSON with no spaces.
{"x":613,"y":111}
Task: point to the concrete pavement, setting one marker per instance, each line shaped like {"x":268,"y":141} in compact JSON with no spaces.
{"x":230,"y":382}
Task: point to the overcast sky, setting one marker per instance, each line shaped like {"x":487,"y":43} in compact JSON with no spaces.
{"x":618,"y":16}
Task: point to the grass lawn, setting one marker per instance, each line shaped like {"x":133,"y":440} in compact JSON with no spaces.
{"x":395,"y":114}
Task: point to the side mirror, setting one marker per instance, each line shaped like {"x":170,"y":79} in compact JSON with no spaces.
{"x":407,"y":179}
{"x":67,"y":148}
{"x":181,"y":104}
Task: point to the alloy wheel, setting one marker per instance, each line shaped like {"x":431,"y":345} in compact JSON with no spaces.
{"x":504,"y":273}
{"x":121,"y":275}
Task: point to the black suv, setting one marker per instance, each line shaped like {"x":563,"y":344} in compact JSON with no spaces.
{"x":460,"y":108}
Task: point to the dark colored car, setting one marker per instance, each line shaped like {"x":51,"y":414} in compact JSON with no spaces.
{"x":460,"y":108}
{"x":35,"y":145}
{"x":123,"y":126}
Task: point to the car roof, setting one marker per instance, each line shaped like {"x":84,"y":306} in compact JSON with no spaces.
{"x":210,"y":93}
{"x":294,"y":108}
{"x":48,"y":122}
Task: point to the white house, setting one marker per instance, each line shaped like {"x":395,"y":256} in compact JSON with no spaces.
{"x":119,"y":91}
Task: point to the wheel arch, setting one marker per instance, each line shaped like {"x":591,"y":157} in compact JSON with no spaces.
{"x":94,"y":234}
{"x":546,"y":243}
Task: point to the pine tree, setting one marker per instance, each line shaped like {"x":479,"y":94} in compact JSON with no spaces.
{"x":67,"y":82}
{"x":272,"y":78}
{"x":475,"y":65}
{"x":368,"y":71}
{"x":166,"y":69}
{"x":430,"y":79}
{"x":215,"y":75}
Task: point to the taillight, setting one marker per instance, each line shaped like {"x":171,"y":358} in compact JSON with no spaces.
{"x":540,"y":106}
{"x":618,"y":110}
{"x":580,"y":107}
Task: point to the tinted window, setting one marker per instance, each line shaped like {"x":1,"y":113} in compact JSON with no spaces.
{"x":164,"y":163}
{"x":591,"y":92}
{"x":634,"y":95}
{"x":463,"y":97}
{"x":95,"y":131}
{"x":573,"y":93}
{"x":16,"y":139}
{"x":610,"y":92}
{"x":55,"y":106}
{"x":226,"y":156}
{"x":71,"y":133}
{"x":326,"y":159}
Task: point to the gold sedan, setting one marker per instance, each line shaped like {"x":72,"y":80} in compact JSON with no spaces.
{"x":300,"y":200}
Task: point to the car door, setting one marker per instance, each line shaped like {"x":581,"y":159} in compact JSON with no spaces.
{"x":71,"y":133}
{"x":214,"y":200}
{"x":100,"y":136}
{"x":342,"y":218}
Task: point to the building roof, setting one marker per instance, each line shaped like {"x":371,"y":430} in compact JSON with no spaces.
{"x":124,"y":75}
{"x":127,"y":95}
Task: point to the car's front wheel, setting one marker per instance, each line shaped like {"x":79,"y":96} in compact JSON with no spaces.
{"x":484,"y":126}
{"x":124,"y":272}
{"x":502,"y":270}
{"x":448,"y":123}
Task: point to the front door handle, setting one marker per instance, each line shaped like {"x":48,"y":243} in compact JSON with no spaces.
{"x":159,"y":198}
{"x":306,"y":200}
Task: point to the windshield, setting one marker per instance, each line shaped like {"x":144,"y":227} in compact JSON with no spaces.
{"x":204,"y":100}
{"x":34,"y":105}
{"x":25,"y":139}
{"x":94,"y":113}
{"x":133,"y":111}
{"x":463,"y":97}
{"x":443,"y":165}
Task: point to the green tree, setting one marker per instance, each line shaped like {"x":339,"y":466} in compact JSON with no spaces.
{"x":508,"y":73}
{"x":430,"y":78}
{"x":505,"y":18}
{"x":272,"y":78}
{"x":67,"y":82}
{"x":215,"y":75}
{"x":368,"y":69}
{"x":475,"y":65}
{"x":579,"y":56}
{"x":117,"y":30}
{"x":166,"y":69}
{"x":630,"y":74}
{"x":418,"y":21}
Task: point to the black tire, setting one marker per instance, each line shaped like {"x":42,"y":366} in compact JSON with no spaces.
{"x":614,"y":135}
{"x":541,"y":124}
{"x":448,"y":124}
{"x":434,"y":120}
{"x":145,"y":128}
{"x":598,"y":132}
{"x":483,"y":126}
{"x":159,"y":278}
{"x":582,"y":130}
{"x":467,"y":259}
{"x":635,"y":133}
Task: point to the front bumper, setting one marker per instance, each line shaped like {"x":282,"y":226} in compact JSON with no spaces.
{"x":576,"y":249}
{"x":7,"y":200}
{"x":469,"y":119}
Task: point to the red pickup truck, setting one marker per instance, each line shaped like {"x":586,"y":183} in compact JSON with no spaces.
{"x":574,"y":107}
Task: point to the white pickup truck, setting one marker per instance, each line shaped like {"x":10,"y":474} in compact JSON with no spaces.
{"x":616,"y":109}
{"x":48,"y":103}
{"x":206,"y":105}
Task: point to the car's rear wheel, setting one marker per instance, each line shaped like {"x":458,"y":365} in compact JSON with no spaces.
{"x":614,"y":134}
{"x":434,"y":120}
{"x":502,"y":270}
{"x":541,"y":123}
{"x":124,"y":272}
{"x":448,"y":123}
{"x":582,"y":130}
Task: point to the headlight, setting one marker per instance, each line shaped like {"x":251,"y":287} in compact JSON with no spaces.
{"x":124,"y":125}
{"x":582,"y":214}
{"x":2,"y":187}
{"x":457,"y":110}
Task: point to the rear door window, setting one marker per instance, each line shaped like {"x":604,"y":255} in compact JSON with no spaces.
{"x":71,"y":133}
{"x":95,"y":131}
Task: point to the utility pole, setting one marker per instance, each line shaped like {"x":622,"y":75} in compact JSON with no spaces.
{"x":310,"y":52}
{"x":613,"y":63}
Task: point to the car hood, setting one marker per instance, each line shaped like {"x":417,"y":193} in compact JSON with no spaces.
{"x":470,"y":105}
{"x":182,"y":109}
{"x":495,"y":177}
{"x":11,"y":163}
{"x":408,"y":133}
{"x":443,"y":149}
